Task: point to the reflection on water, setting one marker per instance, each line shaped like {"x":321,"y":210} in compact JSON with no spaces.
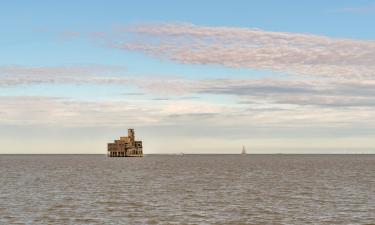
{"x":189,"y":189}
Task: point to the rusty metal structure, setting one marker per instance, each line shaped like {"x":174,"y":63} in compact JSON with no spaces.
{"x":125,"y":146}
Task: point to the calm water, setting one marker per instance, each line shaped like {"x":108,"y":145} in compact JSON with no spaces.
{"x":189,"y":189}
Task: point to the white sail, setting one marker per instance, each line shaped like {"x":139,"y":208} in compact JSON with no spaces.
{"x":243,"y":150}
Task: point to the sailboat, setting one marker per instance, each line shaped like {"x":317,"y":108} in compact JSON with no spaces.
{"x":243,"y":150}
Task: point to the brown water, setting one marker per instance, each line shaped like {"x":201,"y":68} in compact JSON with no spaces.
{"x":189,"y":189}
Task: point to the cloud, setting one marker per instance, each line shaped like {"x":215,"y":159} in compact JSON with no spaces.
{"x":16,"y":70}
{"x":29,"y":110}
{"x":293,"y":53}
{"x":328,"y":93}
{"x":60,"y":112}
{"x":363,"y":9}
{"x":230,"y":102}
{"x":81,"y":74}
{"x":63,"y":112}
{"x":268,"y":91}
{"x":65,"y":79}
{"x":282,"y":91}
{"x":222,"y":103}
{"x":99,"y":75}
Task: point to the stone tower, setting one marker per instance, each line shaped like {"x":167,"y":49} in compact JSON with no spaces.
{"x":131,"y":136}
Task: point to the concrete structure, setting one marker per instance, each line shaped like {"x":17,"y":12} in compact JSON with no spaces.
{"x":126,"y":146}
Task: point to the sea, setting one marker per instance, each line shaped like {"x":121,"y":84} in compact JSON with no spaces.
{"x":187,"y":189}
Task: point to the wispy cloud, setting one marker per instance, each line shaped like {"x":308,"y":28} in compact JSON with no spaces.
{"x":31,"y":110}
{"x":293,"y":53}
{"x":276,"y":102}
{"x":59,"y":70}
{"x":26,"y":110}
{"x":34,"y":110}
{"x":334,"y":93}
{"x":361,"y":9}
{"x":86,"y":74}
{"x":62,"y":79}
{"x":302,"y":92}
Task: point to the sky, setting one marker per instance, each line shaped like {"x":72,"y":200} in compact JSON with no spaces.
{"x":188,"y":76}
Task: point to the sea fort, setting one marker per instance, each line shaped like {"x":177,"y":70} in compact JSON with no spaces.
{"x":125,"y":146}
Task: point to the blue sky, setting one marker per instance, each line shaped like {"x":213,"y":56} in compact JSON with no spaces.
{"x":293,"y":77}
